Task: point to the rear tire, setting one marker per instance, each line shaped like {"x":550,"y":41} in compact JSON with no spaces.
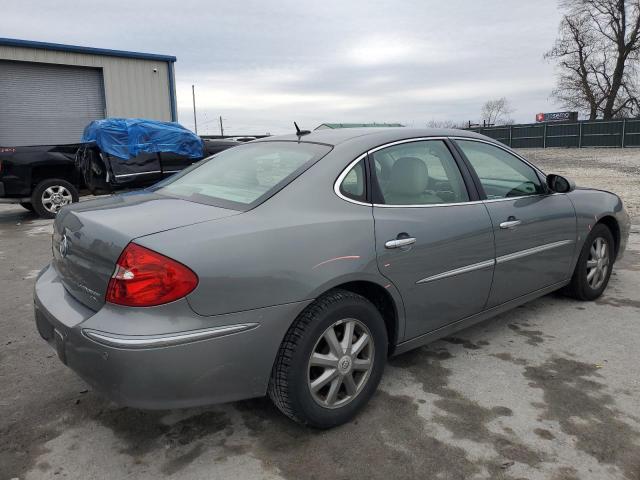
{"x":51,"y":195}
{"x":593,"y":270}
{"x":320,"y":378}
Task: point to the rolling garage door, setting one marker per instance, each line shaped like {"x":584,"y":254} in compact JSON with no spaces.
{"x":44,"y":104}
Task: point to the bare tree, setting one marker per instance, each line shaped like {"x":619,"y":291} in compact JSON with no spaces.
{"x":496,"y":111}
{"x":598,"y":50}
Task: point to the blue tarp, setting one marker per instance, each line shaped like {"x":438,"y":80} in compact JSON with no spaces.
{"x":128,"y":137}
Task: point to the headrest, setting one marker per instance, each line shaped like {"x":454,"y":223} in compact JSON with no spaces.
{"x":409,"y":176}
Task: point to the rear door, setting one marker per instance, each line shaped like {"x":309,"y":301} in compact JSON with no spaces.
{"x":434,"y":239}
{"x":141,"y":170}
{"x":535,"y":230}
{"x":171,"y":163}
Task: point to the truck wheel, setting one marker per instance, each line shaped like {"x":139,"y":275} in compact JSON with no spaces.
{"x":330,"y":361}
{"x":51,"y":195}
{"x":27,"y":205}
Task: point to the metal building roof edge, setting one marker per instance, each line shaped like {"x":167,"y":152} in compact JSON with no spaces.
{"x":13,"y":42}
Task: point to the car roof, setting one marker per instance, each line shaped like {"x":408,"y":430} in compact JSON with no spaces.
{"x":337,"y":136}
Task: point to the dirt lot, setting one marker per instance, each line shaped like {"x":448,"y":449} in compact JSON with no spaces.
{"x":608,"y":169}
{"x":548,"y":391}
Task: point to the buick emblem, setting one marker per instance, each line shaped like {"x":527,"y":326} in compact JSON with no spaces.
{"x":63,"y":247}
{"x":344,"y":365}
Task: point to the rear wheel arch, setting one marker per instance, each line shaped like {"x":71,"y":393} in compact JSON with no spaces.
{"x":384,"y":302}
{"x":44,"y":172}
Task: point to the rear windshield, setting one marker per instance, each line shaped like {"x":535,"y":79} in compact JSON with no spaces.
{"x":243,"y":176}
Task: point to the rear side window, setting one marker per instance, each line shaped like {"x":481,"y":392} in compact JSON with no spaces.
{"x":501,"y":174}
{"x":353,"y":185}
{"x":243,"y":176}
{"x":419,"y":173}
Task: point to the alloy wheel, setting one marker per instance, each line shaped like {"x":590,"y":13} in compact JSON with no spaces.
{"x":598,"y":263}
{"x":55,"y":197}
{"x":340,"y":364}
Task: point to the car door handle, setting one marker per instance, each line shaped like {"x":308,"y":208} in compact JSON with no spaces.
{"x":400,"y":242}
{"x":510,"y":224}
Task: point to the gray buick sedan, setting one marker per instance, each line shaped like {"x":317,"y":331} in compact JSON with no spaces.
{"x":294,"y":266}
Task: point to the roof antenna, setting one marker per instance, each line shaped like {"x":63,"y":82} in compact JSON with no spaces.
{"x":300,"y":132}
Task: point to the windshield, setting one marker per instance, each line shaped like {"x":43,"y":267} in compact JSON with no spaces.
{"x":246,"y":175}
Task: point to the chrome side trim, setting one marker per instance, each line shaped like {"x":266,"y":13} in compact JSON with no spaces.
{"x":406,"y":140}
{"x":458,"y":271}
{"x":507,"y":199}
{"x":135,"y":174}
{"x":532,"y":251}
{"x":490,"y":263}
{"x":155,"y":341}
{"x":429,"y":205}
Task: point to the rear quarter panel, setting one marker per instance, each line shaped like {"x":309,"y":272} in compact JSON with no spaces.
{"x":295,"y":246}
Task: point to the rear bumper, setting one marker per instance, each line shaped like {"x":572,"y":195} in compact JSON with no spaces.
{"x":228,"y":360}
{"x":12,"y":199}
{"x":14,"y":187}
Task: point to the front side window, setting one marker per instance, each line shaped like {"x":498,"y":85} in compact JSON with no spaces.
{"x":501,"y":174}
{"x":242,"y":176}
{"x":419,"y":173}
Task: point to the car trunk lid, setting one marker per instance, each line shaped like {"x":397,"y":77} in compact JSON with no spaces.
{"x":89,"y":237}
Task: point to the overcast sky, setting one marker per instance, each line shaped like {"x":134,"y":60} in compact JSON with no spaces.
{"x":262,"y":64}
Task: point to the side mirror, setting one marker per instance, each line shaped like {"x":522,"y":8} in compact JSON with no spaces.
{"x":560,"y":184}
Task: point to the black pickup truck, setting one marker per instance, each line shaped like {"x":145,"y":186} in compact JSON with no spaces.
{"x":44,"y":178}
{"x":41,"y":178}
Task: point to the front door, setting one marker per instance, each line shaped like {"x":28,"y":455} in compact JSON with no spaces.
{"x":433,"y":241}
{"x":535,"y":231}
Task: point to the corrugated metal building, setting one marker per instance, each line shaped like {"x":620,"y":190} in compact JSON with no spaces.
{"x":49,"y":92}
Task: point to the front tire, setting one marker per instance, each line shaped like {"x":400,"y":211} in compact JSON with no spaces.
{"x":593,"y":270}
{"x":330,"y":361}
{"x":50,"y":195}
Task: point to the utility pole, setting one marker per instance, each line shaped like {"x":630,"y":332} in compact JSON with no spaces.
{"x":221,"y":127}
{"x":195,"y":121}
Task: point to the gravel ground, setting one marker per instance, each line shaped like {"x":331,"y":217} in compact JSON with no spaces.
{"x":608,"y":169}
{"x":548,"y":391}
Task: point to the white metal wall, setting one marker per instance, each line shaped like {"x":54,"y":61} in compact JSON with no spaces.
{"x":132,"y":87}
{"x":42,"y":103}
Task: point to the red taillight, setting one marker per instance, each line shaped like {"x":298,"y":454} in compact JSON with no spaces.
{"x":144,"y":278}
